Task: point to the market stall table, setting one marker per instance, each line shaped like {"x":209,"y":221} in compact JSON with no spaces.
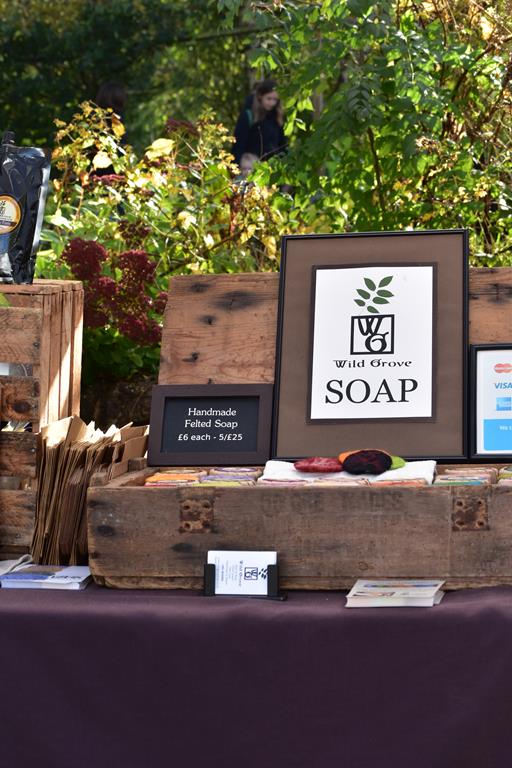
{"x":156,"y":678}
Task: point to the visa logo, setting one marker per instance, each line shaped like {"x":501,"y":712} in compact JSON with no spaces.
{"x":503,"y":385}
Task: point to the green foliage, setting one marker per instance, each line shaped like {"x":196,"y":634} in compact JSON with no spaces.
{"x":178,"y":210}
{"x":169,"y":54}
{"x":411,"y":125}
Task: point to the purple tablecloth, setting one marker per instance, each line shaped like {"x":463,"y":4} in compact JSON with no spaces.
{"x":136,"y":679}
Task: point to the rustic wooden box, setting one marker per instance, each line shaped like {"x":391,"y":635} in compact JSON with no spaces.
{"x":41,"y":337}
{"x":326,"y":537}
{"x":221,"y":329}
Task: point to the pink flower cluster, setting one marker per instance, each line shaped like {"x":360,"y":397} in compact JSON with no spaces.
{"x":125,"y":304}
{"x":134,"y":232}
{"x":108,"y":179}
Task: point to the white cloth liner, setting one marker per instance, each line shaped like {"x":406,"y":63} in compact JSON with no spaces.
{"x":413,"y":470}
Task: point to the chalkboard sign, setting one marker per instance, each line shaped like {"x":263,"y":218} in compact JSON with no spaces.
{"x":210,"y":424}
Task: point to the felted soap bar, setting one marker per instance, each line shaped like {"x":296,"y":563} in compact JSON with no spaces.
{"x":318,"y":464}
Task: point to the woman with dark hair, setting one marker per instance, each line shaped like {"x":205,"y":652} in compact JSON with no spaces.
{"x":259,"y":130}
{"x":112,"y":95}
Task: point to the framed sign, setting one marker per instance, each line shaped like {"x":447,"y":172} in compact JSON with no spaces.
{"x":210,"y":424}
{"x":371,"y":348}
{"x":491,"y":402}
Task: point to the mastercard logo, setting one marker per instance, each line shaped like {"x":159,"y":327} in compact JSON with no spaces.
{"x":503,"y":368}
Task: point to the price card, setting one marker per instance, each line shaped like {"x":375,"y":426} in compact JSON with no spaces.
{"x":240,"y":572}
{"x":210,"y":424}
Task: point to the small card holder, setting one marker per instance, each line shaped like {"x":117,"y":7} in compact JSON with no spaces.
{"x":272,"y":584}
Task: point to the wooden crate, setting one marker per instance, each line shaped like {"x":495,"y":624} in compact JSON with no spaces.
{"x":222,"y":329}
{"x":41,"y":335}
{"x":326,"y":537}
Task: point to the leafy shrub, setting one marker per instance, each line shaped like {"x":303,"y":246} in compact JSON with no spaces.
{"x":124,"y":225}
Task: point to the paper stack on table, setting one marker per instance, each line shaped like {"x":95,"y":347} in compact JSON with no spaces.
{"x":71,"y":452}
{"x":47,"y":577}
{"x":395,"y":593}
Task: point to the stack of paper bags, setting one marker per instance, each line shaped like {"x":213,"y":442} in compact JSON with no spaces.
{"x":71,"y":452}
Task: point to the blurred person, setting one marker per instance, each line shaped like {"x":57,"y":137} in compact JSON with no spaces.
{"x":247,"y":163}
{"x":259,"y":130}
{"x":112,"y":95}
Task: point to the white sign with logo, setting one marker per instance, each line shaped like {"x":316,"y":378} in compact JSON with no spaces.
{"x":372,"y":352}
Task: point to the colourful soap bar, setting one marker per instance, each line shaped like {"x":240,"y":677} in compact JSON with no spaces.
{"x":409,"y":483}
{"x":318,"y":464}
{"x":236,"y":471}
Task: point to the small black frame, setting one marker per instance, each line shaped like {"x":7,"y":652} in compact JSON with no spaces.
{"x":257,"y":425}
{"x":273,"y":592}
{"x":474,"y":349}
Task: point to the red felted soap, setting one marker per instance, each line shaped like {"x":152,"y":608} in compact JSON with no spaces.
{"x":318,"y":464}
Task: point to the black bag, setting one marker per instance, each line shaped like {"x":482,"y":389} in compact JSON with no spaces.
{"x":24,"y":175}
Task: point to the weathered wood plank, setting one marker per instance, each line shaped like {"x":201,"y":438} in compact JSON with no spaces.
{"x":17,"y":518}
{"x":43,"y":371}
{"x":19,"y":399}
{"x":322,"y":536}
{"x":54,"y":327}
{"x":490,"y":305}
{"x":65,"y":393}
{"x":220,"y":328}
{"x":40,"y":287}
{"x":20,"y":334}
{"x":77,"y":321}
{"x":18,"y":452}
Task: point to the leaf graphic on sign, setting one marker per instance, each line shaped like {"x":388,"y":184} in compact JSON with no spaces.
{"x":379,"y":296}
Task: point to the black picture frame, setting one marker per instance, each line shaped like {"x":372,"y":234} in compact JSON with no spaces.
{"x":294,"y":435}
{"x":474,"y":454}
{"x":258,"y":423}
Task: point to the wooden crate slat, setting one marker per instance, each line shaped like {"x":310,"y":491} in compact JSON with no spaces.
{"x":19,"y":399}
{"x":77,"y":321}
{"x":20,"y":335}
{"x":17,"y":517}
{"x":65,"y":354}
{"x":220,"y":328}
{"x":18,"y":451}
{"x":54,"y":327}
{"x":40,"y":287}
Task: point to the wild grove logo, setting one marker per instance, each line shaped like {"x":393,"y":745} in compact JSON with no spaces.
{"x":373,"y":333}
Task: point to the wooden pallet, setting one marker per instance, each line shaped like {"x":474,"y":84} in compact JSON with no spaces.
{"x":41,"y":339}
